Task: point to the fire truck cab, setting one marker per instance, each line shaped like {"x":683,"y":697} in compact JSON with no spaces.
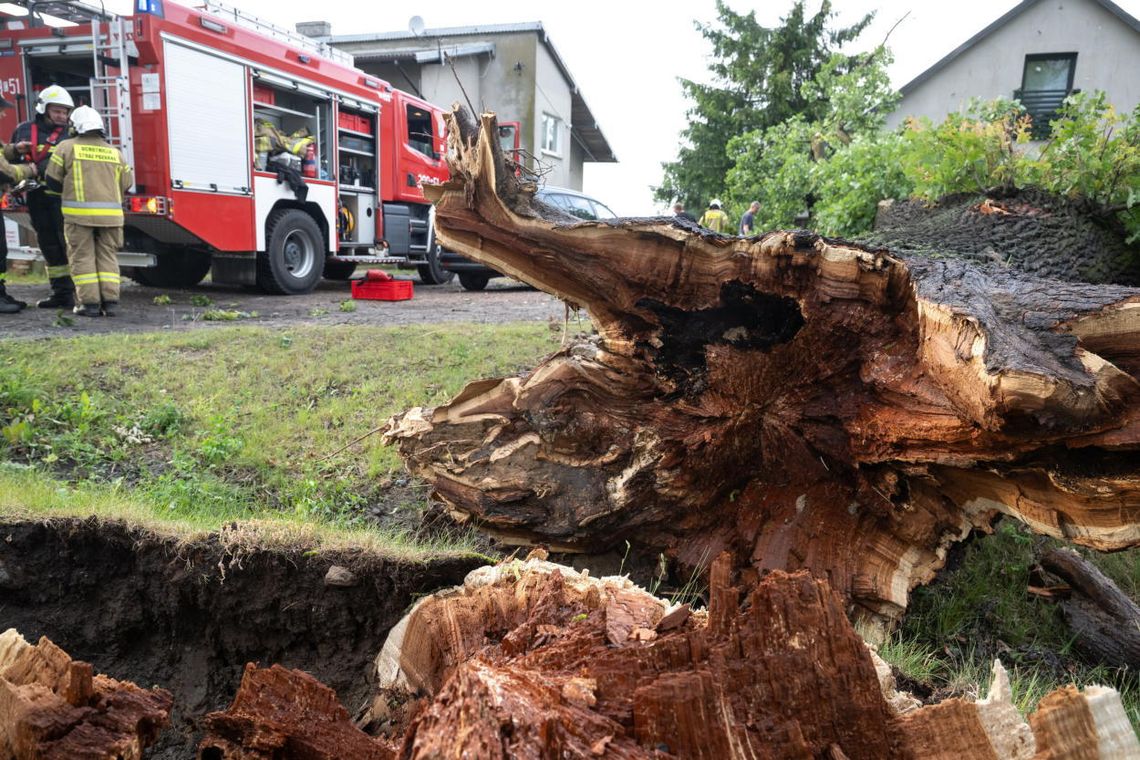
{"x":185,"y":92}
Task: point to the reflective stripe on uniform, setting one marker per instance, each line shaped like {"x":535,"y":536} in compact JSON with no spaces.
{"x":61,"y":270}
{"x":86,"y":279}
{"x":76,"y":182}
{"x":109,"y":277}
{"x":92,"y":208}
{"x":56,"y":159}
{"x":87,"y":213}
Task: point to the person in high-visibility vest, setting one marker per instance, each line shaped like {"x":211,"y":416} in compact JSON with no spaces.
{"x":715,"y":219}
{"x":91,"y":176}
{"x":10,"y":174}
{"x":42,"y":133}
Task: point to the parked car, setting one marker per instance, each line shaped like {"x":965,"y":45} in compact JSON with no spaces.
{"x":475,"y":276}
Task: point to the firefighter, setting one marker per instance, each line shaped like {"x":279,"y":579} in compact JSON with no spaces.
{"x":10,"y":174}
{"x":715,"y":219}
{"x":43,"y":133}
{"x":91,"y":176}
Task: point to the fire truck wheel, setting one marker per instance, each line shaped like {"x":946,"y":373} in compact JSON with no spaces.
{"x":339,"y":270}
{"x":173,"y":269}
{"x":293,"y":261}
{"x":473,"y":280}
{"x":433,"y":273}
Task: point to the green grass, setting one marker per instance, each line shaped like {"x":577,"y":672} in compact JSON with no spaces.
{"x":37,"y":276}
{"x":955,"y":627}
{"x":240,"y":421}
{"x":27,"y":493}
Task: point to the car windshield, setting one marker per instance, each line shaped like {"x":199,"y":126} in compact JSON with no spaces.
{"x":580,"y":206}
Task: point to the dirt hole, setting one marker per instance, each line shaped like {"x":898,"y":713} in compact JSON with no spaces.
{"x":189,"y":616}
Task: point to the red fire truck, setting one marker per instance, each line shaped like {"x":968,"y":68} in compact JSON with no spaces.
{"x":183,"y":91}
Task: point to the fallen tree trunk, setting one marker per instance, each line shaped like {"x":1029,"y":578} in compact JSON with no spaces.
{"x":799,"y":402}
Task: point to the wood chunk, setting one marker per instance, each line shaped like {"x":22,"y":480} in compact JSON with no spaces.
{"x":282,"y":713}
{"x":803,"y":403}
{"x":53,"y":707}
{"x":1106,"y":622}
{"x":1072,"y":724}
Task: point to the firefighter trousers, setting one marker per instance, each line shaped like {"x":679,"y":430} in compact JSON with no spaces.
{"x":46,"y":212}
{"x":93,"y":252}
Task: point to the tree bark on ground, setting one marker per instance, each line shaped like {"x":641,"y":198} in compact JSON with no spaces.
{"x":1105,"y":622}
{"x":800,"y":402}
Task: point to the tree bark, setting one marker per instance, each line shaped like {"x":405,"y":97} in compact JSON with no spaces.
{"x":1105,"y":621}
{"x":800,"y":402}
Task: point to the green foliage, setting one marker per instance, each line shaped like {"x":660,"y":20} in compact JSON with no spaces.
{"x":840,"y":160}
{"x":758,"y":77}
{"x":348,"y":306}
{"x":968,"y":152}
{"x":844,"y":163}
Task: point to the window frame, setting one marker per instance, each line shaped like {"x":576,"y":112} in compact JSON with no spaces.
{"x":1031,"y":57}
{"x":557,"y":149}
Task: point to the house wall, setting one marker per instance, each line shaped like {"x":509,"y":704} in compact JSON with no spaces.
{"x":552,"y":96}
{"x":1108,"y":58}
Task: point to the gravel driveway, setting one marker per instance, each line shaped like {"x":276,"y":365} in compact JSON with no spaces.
{"x":504,"y":300}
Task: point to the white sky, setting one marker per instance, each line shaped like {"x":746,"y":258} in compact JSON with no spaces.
{"x":626,"y":55}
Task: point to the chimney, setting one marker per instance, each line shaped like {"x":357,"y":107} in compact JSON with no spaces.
{"x":314,"y":28}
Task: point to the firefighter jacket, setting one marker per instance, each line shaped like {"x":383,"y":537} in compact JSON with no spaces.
{"x":12,"y":173}
{"x":92,"y":177}
{"x":715,"y":219}
{"x":44,"y":136}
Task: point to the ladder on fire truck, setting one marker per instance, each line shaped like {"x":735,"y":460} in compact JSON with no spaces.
{"x":111,"y":51}
{"x":111,"y":85}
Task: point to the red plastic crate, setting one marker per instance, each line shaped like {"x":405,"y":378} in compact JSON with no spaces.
{"x":262,"y":94}
{"x":346,"y":120}
{"x":382,"y":290}
{"x":364,"y":124}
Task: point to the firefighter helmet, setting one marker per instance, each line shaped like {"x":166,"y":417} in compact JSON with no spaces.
{"x":714,"y":203}
{"x":53,"y":96}
{"x":86,"y":119}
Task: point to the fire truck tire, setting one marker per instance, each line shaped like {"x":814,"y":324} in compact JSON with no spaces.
{"x":473,"y":280}
{"x":174,"y":269}
{"x":294,"y":256}
{"x":433,"y":273}
{"x":339,"y":270}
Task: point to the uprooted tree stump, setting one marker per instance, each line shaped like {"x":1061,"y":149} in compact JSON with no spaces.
{"x":530,"y":659}
{"x":800,"y":402}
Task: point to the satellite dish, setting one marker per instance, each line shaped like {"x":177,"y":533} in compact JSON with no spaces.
{"x":416,"y":25}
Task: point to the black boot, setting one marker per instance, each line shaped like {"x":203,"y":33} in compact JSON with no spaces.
{"x":62,"y":294}
{"x":110,"y":308}
{"x":9,"y":305}
{"x":87,"y":310}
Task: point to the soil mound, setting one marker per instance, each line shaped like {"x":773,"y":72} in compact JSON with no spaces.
{"x":189,"y":616}
{"x":1029,"y":231}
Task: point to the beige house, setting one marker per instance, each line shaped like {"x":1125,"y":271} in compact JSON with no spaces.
{"x":1038,"y":52}
{"x":511,"y":69}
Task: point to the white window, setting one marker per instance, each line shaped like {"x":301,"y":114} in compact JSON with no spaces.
{"x":551,"y":134}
